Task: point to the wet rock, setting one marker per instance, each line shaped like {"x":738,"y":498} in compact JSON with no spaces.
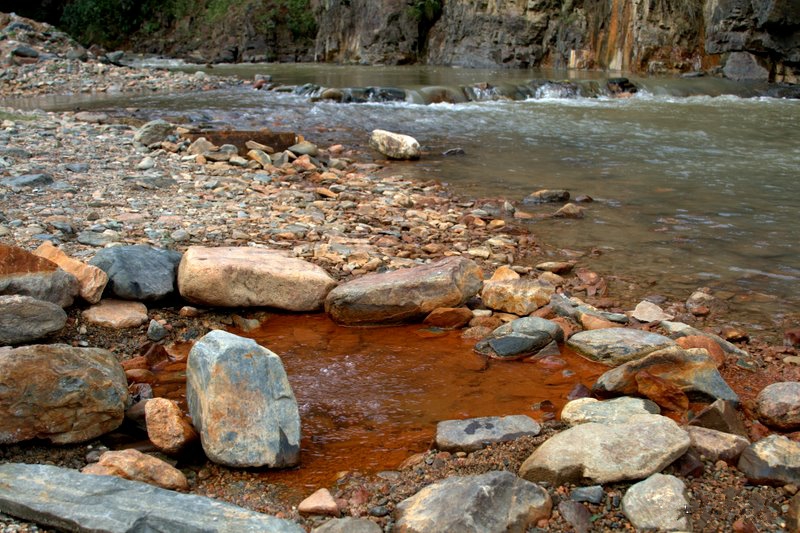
{"x":27,"y":180}
{"x":319,"y":503}
{"x":520,"y":338}
{"x":722,"y":416}
{"x":606,"y":453}
{"x":25,"y":319}
{"x":546,"y":196}
{"x":54,"y":497}
{"x":658,"y":503}
{"x":716,"y":445}
{"x":153,"y":132}
{"x":518,"y":296}
{"x":778,"y":405}
{"x":594,"y":494}
{"x":744,"y":66}
{"x":241,"y":403}
{"x":394,"y":145}
{"x":60,"y":393}
{"x":167,"y":427}
{"x":92,"y":280}
{"x":449,"y":317}
{"x":348,"y":525}
{"x":617,"y":346}
{"x":570,"y":211}
{"x":649,"y":312}
{"x":773,"y":460}
{"x":136,"y":466}
{"x":117,"y":314}
{"x":252,"y":277}
{"x":138,"y":272}
{"x":616,"y":411}
{"x":25,"y":274}
{"x":475,"y":433}
{"x":488,"y":503}
{"x":406,"y":294}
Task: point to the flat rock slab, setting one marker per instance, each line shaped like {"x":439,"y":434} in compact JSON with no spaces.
{"x":616,"y":411}
{"x":404,"y":295}
{"x":68,"y":500}
{"x":252,"y":277}
{"x":137,"y":466}
{"x":519,"y":338}
{"x":118,"y":314}
{"x":658,"y":503}
{"x":778,"y":405}
{"x":606,"y":453}
{"x":774,"y":460}
{"x":25,"y":274}
{"x":618,"y":345}
{"x":488,"y":503}
{"x":476,"y":433}
{"x":25,"y":319}
{"x":138,"y":272}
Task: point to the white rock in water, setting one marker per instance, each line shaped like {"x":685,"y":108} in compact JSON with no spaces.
{"x":394,"y":145}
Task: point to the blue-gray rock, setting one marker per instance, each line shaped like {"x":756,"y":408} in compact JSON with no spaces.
{"x":25,"y":274}
{"x":70,"y":501}
{"x":348,"y":525}
{"x":77,"y":167}
{"x":23,"y":50}
{"x":138,"y":272}
{"x":241,"y":403}
{"x":594,"y":494}
{"x":97,"y":238}
{"x":488,"y":503}
{"x":574,"y":308}
{"x":28,"y":180}
{"x":722,"y":416}
{"x":774,"y":460}
{"x":778,"y":405}
{"x":614,"y":411}
{"x":156,"y":331}
{"x":616,"y":346}
{"x":476,"y":433}
{"x":519,"y":338}
{"x":25,"y":319}
{"x":658,"y":503}
{"x":153,"y":132}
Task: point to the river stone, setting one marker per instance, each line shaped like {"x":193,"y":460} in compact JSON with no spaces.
{"x":475,"y":433}
{"x":153,"y":132}
{"x":25,"y":319}
{"x":676,"y":330}
{"x":547,"y":196}
{"x":606,"y":453}
{"x":27,"y":180}
{"x":774,"y":460}
{"x":693,"y":371}
{"x":717,"y":445}
{"x":138,"y":272}
{"x":722,"y":416}
{"x":348,"y":525}
{"x":117,"y":314}
{"x":616,"y":411}
{"x":517,"y":296}
{"x":137,"y":466}
{"x":304,"y":148}
{"x":491,"y":502}
{"x":320,"y":502}
{"x":394,"y":145}
{"x":60,"y":393}
{"x":91,"y":280}
{"x":241,"y":403}
{"x":25,"y":274}
{"x":778,"y":405}
{"x":649,"y":312}
{"x":575,"y":515}
{"x":618,"y":345}
{"x":519,"y":338}
{"x":657,"y":503}
{"x":406,"y":294}
{"x":167,"y":427}
{"x":66,"y":499}
{"x":252,"y":277}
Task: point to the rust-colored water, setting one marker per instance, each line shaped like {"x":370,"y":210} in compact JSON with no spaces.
{"x":371,"y":397}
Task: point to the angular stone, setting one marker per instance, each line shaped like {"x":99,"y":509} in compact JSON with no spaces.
{"x":475,"y":433}
{"x":649,"y":312}
{"x":138,"y":272}
{"x":449,"y":317}
{"x":778,"y":405}
{"x":693,"y":371}
{"x":699,"y":341}
{"x":92,"y":280}
{"x":616,"y":411}
{"x":606,"y":453}
{"x":774,"y":460}
{"x":25,"y":274}
{"x":406,"y":294}
{"x":241,"y":403}
{"x":488,"y":503}
{"x":348,"y":525}
{"x":394,"y":145}
{"x":117,"y":314}
{"x":520,"y":297}
{"x":658,"y":503}
{"x":136,"y":466}
{"x":60,"y":393}
{"x":320,"y":503}
{"x":593,"y":494}
{"x":25,"y":319}
{"x":167,"y":427}
{"x":520,"y":338}
{"x":716,"y":445}
{"x":153,"y":132}
{"x":722,"y":416}
{"x":576,"y":515}
{"x":663,"y":392}
{"x":61,"y":498}
{"x":570,"y":211}
{"x":260,"y":157}
{"x":27,"y":180}
{"x":252,"y":277}
{"x":617,"y":346}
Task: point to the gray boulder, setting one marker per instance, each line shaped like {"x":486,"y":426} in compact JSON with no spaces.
{"x":25,"y":319}
{"x":153,"y":132}
{"x":70,"y":501}
{"x":488,"y":503}
{"x":778,"y":405}
{"x":241,"y":403}
{"x":774,"y":460}
{"x":138,"y":272}
{"x":476,"y":433}
{"x":616,"y":346}
{"x":519,"y":338}
{"x":616,"y":411}
{"x":658,"y":503}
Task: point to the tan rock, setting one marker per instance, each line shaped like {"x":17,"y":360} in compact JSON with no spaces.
{"x":570,"y":211}
{"x":708,"y":344}
{"x":91,"y":279}
{"x":134,"y":465}
{"x":504,"y":273}
{"x":449,"y":317}
{"x":518,"y":296}
{"x":25,"y":274}
{"x":591,"y":322}
{"x":321,"y":503}
{"x":167,"y":427}
{"x":118,"y":314}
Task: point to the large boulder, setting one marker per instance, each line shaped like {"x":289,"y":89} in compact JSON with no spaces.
{"x":92,"y":280}
{"x":606,"y":453}
{"x":404,"y":295}
{"x":25,"y":274}
{"x":618,"y":345}
{"x":394,"y":145}
{"x":68,"y":500}
{"x":488,"y":503}
{"x":60,"y":393}
{"x":241,"y":403}
{"x":25,"y":319}
{"x":778,"y":405}
{"x":475,"y":433}
{"x":252,"y":277}
{"x":138,"y":272}
{"x":658,"y":503}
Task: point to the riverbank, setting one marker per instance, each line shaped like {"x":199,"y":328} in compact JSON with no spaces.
{"x":350,"y":218}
